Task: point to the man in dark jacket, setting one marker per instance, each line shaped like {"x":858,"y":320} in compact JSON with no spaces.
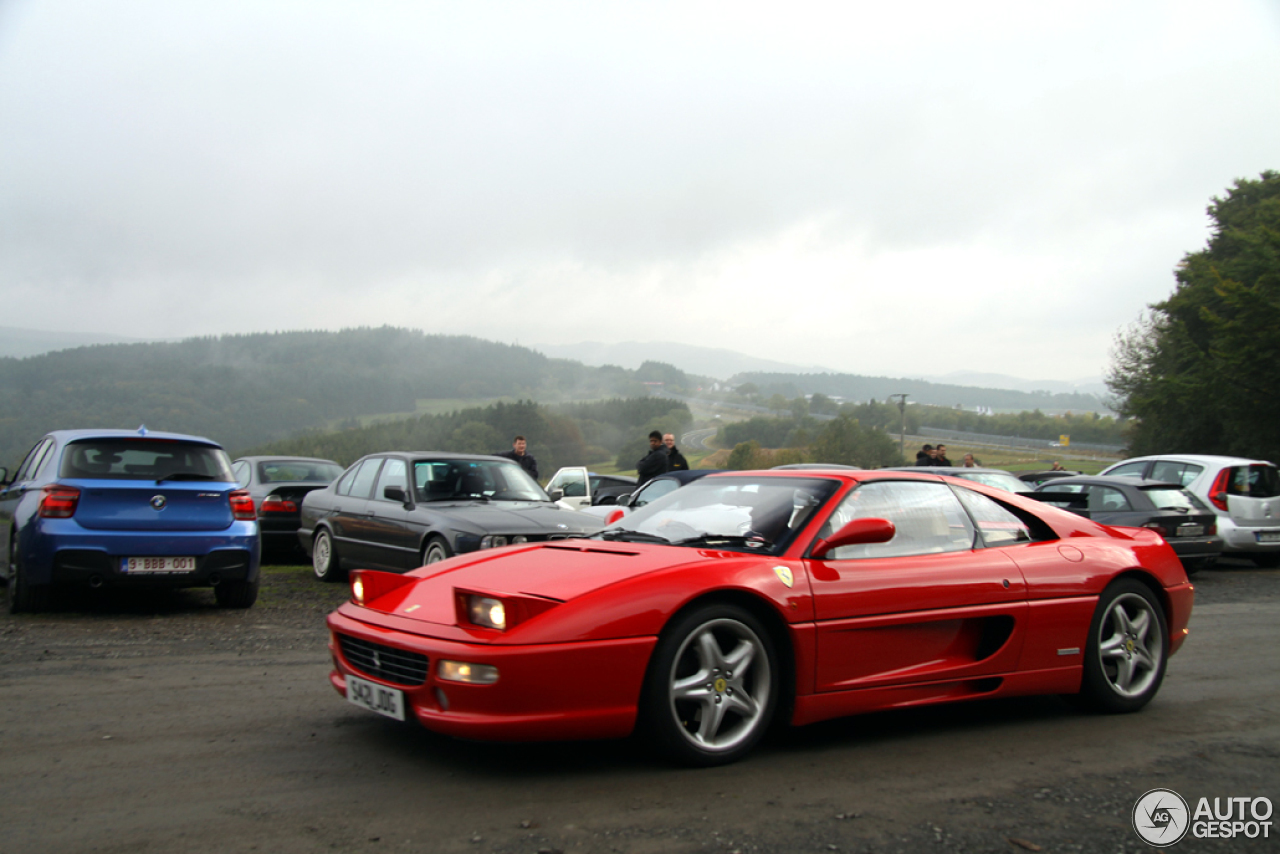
{"x":675,"y":459}
{"x":940,"y":457}
{"x":924,"y":456}
{"x":517,"y":453}
{"x":656,"y":463}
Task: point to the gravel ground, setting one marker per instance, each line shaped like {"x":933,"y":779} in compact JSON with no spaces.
{"x":794,"y":796}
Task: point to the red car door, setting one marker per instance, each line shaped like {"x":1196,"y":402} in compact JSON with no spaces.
{"x":927,"y":606}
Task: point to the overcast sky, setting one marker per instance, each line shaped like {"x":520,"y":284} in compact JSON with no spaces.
{"x":882,"y":188}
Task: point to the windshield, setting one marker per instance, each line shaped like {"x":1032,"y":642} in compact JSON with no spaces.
{"x":998,"y":479}
{"x":759,"y":514}
{"x":145,"y":459}
{"x":483,"y":480}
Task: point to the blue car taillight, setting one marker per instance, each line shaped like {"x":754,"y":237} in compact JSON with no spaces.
{"x":58,"y":501}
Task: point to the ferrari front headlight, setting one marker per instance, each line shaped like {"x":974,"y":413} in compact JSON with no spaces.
{"x":488,"y":612}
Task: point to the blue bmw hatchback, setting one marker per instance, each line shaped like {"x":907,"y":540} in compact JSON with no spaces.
{"x":129,"y":509}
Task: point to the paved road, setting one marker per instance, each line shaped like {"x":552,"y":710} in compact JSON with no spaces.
{"x":171,"y":726}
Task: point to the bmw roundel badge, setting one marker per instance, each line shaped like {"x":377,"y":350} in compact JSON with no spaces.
{"x":159,"y":501}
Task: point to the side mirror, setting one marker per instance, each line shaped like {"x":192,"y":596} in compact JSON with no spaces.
{"x":625,"y":500}
{"x":857,"y":533}
{"x":556,"y":494}
{"x":395,"y":493}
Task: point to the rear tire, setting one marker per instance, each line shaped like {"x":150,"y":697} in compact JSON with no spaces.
{"x":1127,"y":649}
{"x":325,"y":562}
{"x":236,"y":594}
{"x":25,"y":597}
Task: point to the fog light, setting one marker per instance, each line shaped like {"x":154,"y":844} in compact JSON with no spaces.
{"x":461,"y":671}
{"x":518,"y":539}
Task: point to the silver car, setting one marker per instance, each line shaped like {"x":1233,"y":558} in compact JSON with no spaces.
{"x":1244,"y":493}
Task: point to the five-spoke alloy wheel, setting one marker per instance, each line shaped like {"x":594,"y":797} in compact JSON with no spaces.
{"x":712,"y":685}
{"x":1127,"y":649}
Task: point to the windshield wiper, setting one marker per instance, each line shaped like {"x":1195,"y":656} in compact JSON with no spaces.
{"x":186,"y":475}
{"x":755,"y":542}
{"x":632,"y":537}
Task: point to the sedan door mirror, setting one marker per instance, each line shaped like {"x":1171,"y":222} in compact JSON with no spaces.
{"x":856,"y":533}
{"x":556,"y":494}
{"x":395,"y":493}
{"x":625,"y":500}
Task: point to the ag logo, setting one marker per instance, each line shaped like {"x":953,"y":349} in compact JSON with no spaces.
{"x":1161,"y":817}
{"x":784,"y":575}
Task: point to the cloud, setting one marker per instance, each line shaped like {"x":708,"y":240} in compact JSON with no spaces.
{"x":848,"y":177}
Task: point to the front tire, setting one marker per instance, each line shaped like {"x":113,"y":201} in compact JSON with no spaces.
{"x":324,"y":558}
{"x":436,"y":551}
{"x":236,"y":594}
{"x":712,"y":686}
{"x":1127,"y":649}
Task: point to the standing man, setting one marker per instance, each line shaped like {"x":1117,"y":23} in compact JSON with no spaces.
{"x":969,"y":462}
{"x":657,"y":462}
{"x":924,"y":456}
{"x":675,"y":459}
{"x":940,"y":456}
{"x":517,"y":453}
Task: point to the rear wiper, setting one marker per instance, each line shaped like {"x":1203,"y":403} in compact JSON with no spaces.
{"x":632,"y":537}
{"x":186,"y":475}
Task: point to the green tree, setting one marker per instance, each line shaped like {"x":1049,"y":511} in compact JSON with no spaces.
{"x":1197,"y":372}
{"x":845,"y":441}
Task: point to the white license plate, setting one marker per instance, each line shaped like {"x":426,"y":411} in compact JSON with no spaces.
{"x":375,"y":698}
{"x":1191,"y":531}
{"x":157,"y":565}
{"x":1269,"y":537}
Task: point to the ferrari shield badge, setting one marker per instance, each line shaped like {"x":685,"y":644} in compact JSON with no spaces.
{"x":784,"y":575}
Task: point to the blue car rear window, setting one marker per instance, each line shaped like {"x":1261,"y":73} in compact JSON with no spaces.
{"x":144,"y":459}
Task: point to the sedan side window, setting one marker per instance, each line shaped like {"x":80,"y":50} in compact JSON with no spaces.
{"x":242,"y":473}
{"x":362,"y":483}
{"x":393,"y":474}
{"x":42,"y":458}
{"x":1108,"y":499}
{"x":927,"y":516}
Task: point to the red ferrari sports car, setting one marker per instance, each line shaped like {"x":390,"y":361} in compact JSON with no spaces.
{"x":749,"y":598}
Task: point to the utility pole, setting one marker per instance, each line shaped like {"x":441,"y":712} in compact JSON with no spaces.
{"x":902,"y":434}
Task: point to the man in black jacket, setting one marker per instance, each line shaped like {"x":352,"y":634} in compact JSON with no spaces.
{"x":657,"y":462}
{"x":517,"y":453}
{"x":675,"y":459}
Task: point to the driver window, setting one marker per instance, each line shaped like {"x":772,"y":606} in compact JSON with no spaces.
{"x":393,"y":472}
{"x":927,"y":517}
{"x":574,"y":484}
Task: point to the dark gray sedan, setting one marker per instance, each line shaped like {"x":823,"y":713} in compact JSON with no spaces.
{"x":1182,"y":519}
{"x":277,"y":486}
{"x":397,"y":511}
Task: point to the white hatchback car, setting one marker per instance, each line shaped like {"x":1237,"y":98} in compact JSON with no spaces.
{"x":1244,"y":493}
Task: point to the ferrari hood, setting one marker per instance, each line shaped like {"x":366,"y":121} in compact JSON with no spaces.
{"x":560,"y":571}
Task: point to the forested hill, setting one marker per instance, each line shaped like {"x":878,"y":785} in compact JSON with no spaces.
{"x":247,"y":390}
{"x":859,"y":389}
